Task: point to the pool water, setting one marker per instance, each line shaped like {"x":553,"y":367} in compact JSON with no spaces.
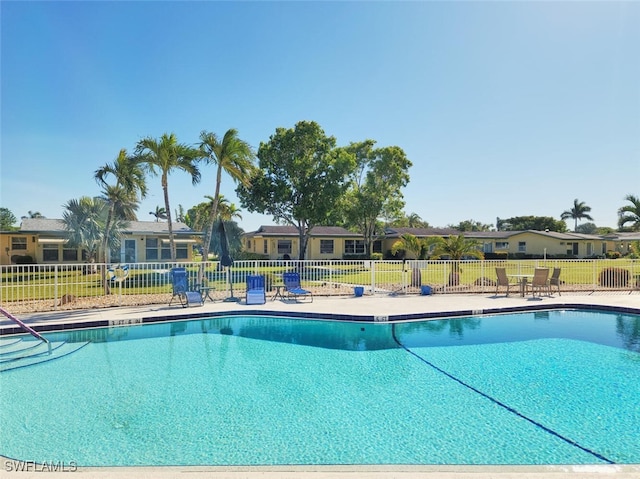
{"x":536,"y":388}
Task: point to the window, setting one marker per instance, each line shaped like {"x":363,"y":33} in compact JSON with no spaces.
{"x":522,"y":246}
{"x":354,"y":246}
{"x":249,"y":245}
{"x":572,"y":249}
{"x":151,"y":249}
{"x":377,"y":246}
{"x":18,"y":243}
{"x":502,"y":245}
{"x":326,"y":246}
{"x":487,"y":247}
{"x":50,"y":252}
{"x":284,"y":246}
{"x":69,"y":254}
{"x":182,"y":251}
{"x":265,"y":247}
{"x":589,"y":249}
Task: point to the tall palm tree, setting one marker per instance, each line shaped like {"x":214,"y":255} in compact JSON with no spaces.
{"x":123,"y":196}
{"x":84,"y":221}
{"x":231,"y":155}
{"x":455,"y":248}
{"x":163,"y":156}
{"x":630,"y":213}
{"x":579,"y":211}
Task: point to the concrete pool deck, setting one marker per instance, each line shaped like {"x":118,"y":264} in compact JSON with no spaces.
{"x":368,"y":306}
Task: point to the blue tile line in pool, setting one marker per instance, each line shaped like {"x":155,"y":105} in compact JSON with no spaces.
{"x":500,"y":403}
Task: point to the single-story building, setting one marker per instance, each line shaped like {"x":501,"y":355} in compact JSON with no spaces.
{"x":44,"y":240}
{"x":283,"y":242}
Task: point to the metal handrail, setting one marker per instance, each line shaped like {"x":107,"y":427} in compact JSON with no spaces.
{"x":27,"y":328}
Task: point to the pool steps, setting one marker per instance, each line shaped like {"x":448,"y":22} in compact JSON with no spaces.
{"x":19,"y":353}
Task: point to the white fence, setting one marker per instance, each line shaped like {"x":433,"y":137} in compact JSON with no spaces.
{"x":27,"y":288}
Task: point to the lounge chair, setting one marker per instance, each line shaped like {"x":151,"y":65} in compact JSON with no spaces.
{"x":539,"y":281}
{"x":503,"y":280}
{"x":255,"y":290}
{"x":180,"y":284}
{"x":554,"y":280}
{"x":292,"y":286}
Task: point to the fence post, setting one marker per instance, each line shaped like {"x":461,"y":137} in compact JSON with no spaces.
{"x":55,"y":287}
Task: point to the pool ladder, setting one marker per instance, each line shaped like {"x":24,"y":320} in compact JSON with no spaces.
{"x":27,"y":328}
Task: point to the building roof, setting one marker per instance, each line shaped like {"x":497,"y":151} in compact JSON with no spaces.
{"x":293,"y":231}
{"x":419,"y":232}
{"x":56,"y":226}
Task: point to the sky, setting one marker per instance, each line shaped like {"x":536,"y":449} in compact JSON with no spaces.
{"x":504,"y":108}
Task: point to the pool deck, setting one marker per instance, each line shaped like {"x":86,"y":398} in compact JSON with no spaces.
{"x":366,"y":307}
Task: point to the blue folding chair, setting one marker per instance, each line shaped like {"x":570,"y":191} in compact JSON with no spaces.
{"x":180,"y":284}
{"x":256,"y":293}
{"x":292,"y":286}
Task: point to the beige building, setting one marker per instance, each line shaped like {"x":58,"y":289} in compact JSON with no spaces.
{"x":283,"y":242}
{"x":43,"y":240}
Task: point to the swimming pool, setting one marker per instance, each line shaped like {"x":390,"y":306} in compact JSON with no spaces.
{"x":555,"y":387}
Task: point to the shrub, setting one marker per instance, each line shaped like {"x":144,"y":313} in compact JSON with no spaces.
{"x":26,"y":259}
{"x":613,"y":254}
{"x":614,"y":277}
{"x":376,"y":256}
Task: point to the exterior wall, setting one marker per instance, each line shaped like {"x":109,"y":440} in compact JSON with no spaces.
{"x":132,"y":250}
{"x":535,"y":244}
{"x":6,"y":242}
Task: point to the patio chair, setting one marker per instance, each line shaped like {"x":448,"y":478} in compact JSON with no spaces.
{"x":255,"y":290}
{"x":503,"y":280}
{"x":180,"y":285}
{"x":554,"y":280}
{"x":539,"y":281}
{"x":292,"y":286}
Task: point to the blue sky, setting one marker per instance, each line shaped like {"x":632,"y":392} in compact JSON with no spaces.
{"x":504,"y":108}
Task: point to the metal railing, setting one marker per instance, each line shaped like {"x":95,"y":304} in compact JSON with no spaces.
{"x":31,"y":288}
{"x":27,"y":328}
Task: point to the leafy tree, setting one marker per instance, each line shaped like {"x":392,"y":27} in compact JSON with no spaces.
{"x":579,"y":211}
{"x":301,"y":177}
{"x":198,"y":216}
{"x":162,"y":157}
{"x":412,"y":220}
{"x":471,"y":225}
{"x":160,"y":213}
{"x":587,"y":228}
{"x":7,"y":219}
{"x":232,"y":156}
{"x":455,"y":248}
{"x":630,"y":214}
{"x":375,"y":186}
{"x":536,"y":223}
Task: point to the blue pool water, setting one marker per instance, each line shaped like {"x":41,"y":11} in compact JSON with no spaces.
{"x":534,"y":388}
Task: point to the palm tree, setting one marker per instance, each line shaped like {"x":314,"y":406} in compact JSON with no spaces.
{"x":160,"y":213}
{"x":33,"y":214}
{"x":122,"y":197}
{"x":455,"y":248}
{"x":84,"y":221}
{"x":579,"y":211}
{"x":163,"y":156}
{"x":630,"y":213}
{"x":231,"y":155}
{"x":409,"y":244}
